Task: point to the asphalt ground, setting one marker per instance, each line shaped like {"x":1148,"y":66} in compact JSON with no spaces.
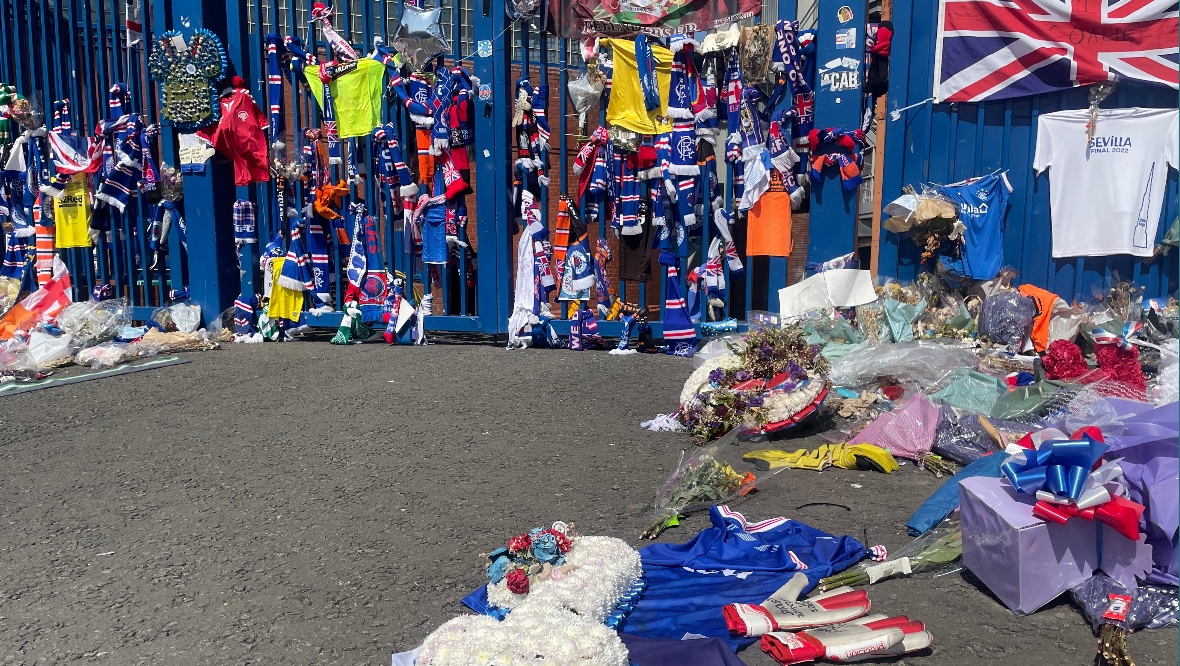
{"x":302,"y":503}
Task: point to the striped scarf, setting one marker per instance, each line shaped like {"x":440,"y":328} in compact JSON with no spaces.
{"x":645,"y":62}
{"x":45,"y":249}
{"x":274,"y":85}
{"x":561,"y":236}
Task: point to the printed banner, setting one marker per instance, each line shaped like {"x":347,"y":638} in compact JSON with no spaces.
{"x":996,"y":50}
{"x":661,"y":18}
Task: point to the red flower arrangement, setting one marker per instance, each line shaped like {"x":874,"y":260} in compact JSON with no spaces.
{"x":1063,"y":360}
{"x":518,"y":581}
{"x":521,"y":543}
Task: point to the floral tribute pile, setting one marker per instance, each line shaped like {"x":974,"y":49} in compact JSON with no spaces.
{"x":771,"y":380}
{"x":562,"y":588}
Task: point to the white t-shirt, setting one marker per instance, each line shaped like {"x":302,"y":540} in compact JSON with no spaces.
{"x":1106,"y":198}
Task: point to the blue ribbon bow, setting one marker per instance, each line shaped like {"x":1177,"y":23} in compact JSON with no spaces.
{"x":1059,"y":466}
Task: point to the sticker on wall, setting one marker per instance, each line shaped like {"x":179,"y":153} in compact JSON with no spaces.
{"x":484,"y":48}
{"x":846,"y":38}
{"x":485,"y":92}
{"x":844,"y":14}
{"x":839,"y":75}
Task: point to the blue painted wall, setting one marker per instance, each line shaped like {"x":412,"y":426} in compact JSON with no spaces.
{"x":944,"y":143}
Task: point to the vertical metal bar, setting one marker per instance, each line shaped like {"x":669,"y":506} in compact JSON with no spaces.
{"x":493,"y":166}
{"x":5,"y":56}
{"x":25,"y":85}
{"x":94,"y":113}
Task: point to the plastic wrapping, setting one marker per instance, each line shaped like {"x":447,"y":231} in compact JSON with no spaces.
{"x":906,"y":432}
{"x":700,"y":481}
{"x":969,"y":390}
{"x":870,"y":322}
{"x":105,"y":355}
{"x":1006,"y":318}
{"x":187,"y":317}
{"x":961,"y":438}
{"x":1165,"y":388}
{"x":922,"y":362}
{"x":937,"y":550}
{"x":93,"y":322}
{"x":47,"y":350}
{"x":585,"y":92}
{"x":1151,"y":607}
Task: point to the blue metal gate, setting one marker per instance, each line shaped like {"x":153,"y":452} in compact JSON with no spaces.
{"x":78,"y":49}
{"x":945,"y":143}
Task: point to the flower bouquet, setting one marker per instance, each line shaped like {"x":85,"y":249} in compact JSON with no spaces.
{"x":938,"y":548}
{"x":532,"y":556}
{"x":700,"y":481}
{"x":774,"y":376}
{"x":557,"y":567}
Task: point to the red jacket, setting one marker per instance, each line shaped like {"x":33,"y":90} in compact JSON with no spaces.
{"x":239,"y":136}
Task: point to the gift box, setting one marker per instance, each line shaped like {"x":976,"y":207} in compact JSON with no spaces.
{"x":1027,"y":562}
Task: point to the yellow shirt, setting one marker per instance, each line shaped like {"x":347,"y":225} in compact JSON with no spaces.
{"x":71,"y":214}
{"x":356,"y":97}
{"x":284,"y":303}
{"x":626,"y":108}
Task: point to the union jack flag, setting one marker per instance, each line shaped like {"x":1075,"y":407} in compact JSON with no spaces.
{"x":997,"y":49}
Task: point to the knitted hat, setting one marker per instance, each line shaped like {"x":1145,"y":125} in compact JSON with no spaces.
{"x":678,"y":41}
{"x":678,"y":330}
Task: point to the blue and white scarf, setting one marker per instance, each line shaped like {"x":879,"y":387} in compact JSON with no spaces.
{"x":648,"y":83}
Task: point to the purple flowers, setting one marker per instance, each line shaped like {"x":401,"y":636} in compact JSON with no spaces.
{"x":717,"y":376}
{"x":796,"y":370}
{"x":756,"y":401}
{"x":742,"y":376}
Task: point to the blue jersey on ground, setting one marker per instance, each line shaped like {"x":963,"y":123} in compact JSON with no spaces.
{"x":733,"y":561}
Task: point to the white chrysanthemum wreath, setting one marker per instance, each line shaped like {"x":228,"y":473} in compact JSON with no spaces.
{"x":559,"y":620}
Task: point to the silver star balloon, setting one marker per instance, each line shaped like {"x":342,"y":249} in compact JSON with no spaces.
{"x":418,"y":36}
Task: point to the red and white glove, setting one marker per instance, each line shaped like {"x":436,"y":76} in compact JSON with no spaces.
{"x":782,"y":611}
{"x":866,"y":638}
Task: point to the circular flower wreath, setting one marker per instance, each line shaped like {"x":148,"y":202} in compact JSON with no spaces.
{"x":719,"y":397}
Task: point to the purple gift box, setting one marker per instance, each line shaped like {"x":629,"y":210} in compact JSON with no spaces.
{"x":1027,"y":562}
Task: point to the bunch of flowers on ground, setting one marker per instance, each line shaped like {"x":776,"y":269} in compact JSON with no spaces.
{"x":729,"y":391}
{"x":530,"y":556}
